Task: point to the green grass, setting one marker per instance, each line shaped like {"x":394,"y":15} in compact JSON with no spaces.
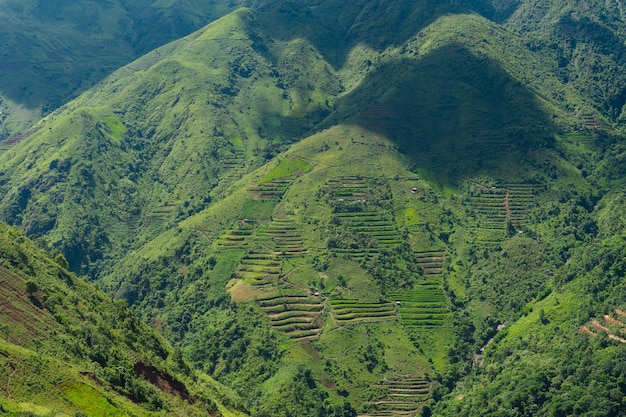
{"x":116,"y":127}
{"x":286,"y":168}
{"x":89,"y":400}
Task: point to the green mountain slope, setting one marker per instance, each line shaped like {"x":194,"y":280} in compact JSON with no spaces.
{"x":150,"y":145}
{"x":586,"y":43}
{"x":174,"y":124}
{"x":334,"y":218}
{"x":69,"y":348}
{"x":54,"y":50}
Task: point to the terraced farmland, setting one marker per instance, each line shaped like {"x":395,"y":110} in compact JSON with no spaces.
{"x":431,"y":262}
{"x":236,"y":239}
{"x":496,"y":205}
{"x":156,"y":219}
{"x":354,"y":210}
{"x":296,"y":315}
{"x":518,"y":199}
{"x":286,"y":237}
{"x":487,"y":143}
{"x":7,"y":143}
{"x":373,"y":223}
{"x":353,"y":310}
{"x":233,"y":165}
{"x":423,"y":307}
{"x":349,"y":189}
{"x":273,"y":190}
{"x":259,"y":268}
{"x":403,"y":397}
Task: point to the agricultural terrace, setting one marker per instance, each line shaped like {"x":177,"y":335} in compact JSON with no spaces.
{"x":355,"y":210}
{"x":403,"y":397}
{"x":233,"y":164}
{"x":234,"y":239}
{"x":496,"y":205}
{"x":423,"y":307}
{"x":353,"y":310}
{"x":432,"y":262}
{"x":297,"y":315}
{"x":285,"y":237}
{"x":259,"y":267}
{"x":488,"y":144}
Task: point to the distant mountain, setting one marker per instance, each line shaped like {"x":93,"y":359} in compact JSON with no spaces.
{"x":69,"y":348}
{"x":54,"y":50}
{"x":369,"y":210}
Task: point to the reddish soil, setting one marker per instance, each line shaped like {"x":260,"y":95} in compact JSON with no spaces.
{"x":612,"y":320}
{"x":163,"y":381}
{"x":596,"y":325}
{"x":18,"y":138}
{"x":585,"y":330}
{"x":21,"y":311}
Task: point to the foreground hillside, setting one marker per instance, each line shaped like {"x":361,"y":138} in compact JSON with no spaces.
{"x":333,"y":218}
{"x":67,"y":348}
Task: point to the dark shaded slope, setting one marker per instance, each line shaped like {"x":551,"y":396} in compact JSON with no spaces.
{"x":452,"y":112}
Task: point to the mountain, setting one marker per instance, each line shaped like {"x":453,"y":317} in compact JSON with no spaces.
{"x":585,"y":42}
{"x":54,"y":50}
{"x":406,"y":209}
{"x":69,"y":348}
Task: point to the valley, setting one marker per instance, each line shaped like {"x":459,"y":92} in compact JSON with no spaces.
{"x":319,"y":210}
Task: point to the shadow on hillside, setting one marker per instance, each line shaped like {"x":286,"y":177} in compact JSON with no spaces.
{"x":451,"y":112}
{"x":335,"y":29}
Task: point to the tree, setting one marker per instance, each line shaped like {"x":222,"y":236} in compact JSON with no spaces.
{"x":31,"y":287}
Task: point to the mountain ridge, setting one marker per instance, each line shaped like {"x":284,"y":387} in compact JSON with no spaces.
{"x":342,"y":229}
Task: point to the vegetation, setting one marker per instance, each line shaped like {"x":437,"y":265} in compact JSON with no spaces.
{"x":408,"y":209}
{"x":69,"y":348}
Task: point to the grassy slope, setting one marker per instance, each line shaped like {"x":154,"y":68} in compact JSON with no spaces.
{"x":68,"y":347}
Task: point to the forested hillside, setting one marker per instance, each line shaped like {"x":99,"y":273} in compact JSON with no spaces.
{"x":68,"y":348}
{"x":369,"y":209}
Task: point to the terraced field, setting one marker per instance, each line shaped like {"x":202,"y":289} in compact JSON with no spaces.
{"x":350,"y":189}
{"x":612,"y":325}
{"x":156,"y":219}
{"x":432,"y":262}
{"x":233,"y":165}
{"x":354,"y":211}
{"x":235,"y":239}
{"x":423,"y":307}
{"x":589,"y":121}
{"x":488,"y":143}
{"x":518,"y":199}
{"x":403,"y":398}
{"x":353,"y":310}
{"x":297,"y":315}
{"x":7,"y":143}
{"x":285,"y":237}
{"x":273,"y":190}
{"x":259,"y":268}
{"x":496,"y":205}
